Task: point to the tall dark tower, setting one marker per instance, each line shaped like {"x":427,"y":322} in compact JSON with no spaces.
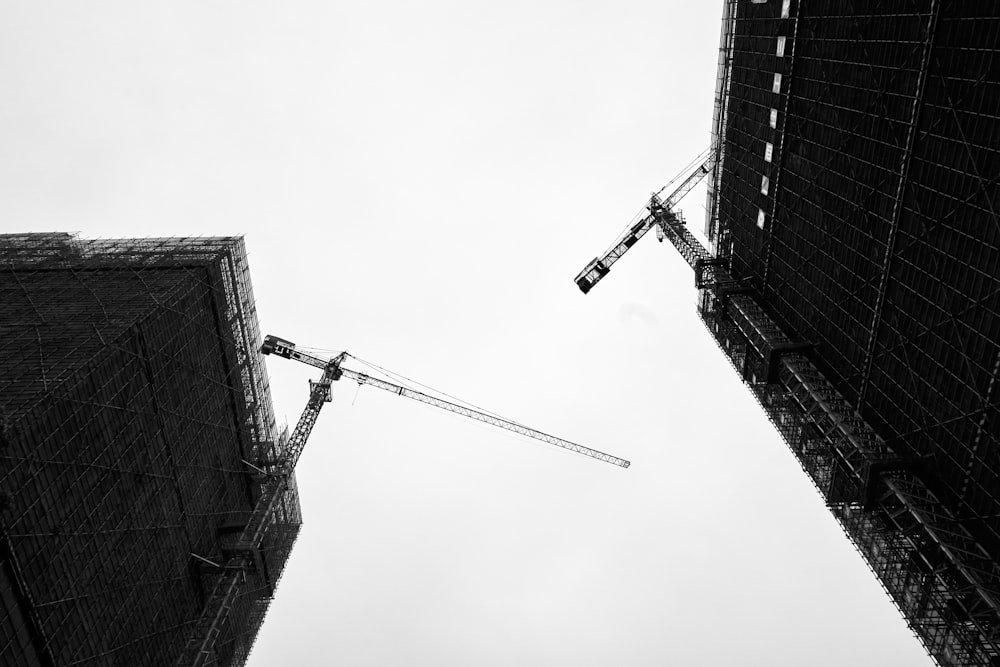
{"x":135,"y":429}
{"x":854,"y":280}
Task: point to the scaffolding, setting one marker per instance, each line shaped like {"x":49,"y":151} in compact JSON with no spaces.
{"x":136,"y":435}
{"x":854,"y":281}
{"x":720,"y":116}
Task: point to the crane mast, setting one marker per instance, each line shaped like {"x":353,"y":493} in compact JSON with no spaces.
{"x":661,"y":215}
{"x":244,"y":553}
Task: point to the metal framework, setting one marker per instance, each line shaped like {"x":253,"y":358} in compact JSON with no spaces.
{"x":854,"y":282}
{"x":246,"y":552}
{"x":486,"y":418}
{"x":334,"y":369}
{"x":136,"y":436}
{"x":942,"y":579}
{"x":599,"y":267}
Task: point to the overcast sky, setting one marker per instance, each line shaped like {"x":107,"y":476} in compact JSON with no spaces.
{"x":419,"y":182}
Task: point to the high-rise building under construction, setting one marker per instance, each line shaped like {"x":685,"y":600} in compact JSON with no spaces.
{"x":854,"y":280}
{"x":135,"y":431}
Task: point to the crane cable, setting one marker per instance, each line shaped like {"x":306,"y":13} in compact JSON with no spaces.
{"x":690,"y":165}
{"x":403,"y":380}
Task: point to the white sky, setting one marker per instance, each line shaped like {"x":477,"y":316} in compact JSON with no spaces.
{"x":419,"y":183}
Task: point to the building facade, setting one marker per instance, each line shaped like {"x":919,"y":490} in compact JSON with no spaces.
{"x":135,"y":430}
{"x":854,"y":280}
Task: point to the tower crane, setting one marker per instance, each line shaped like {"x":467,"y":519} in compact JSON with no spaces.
{"x":244,"y":553}
{"x":661,"y":215}
{"x":283,"y":348}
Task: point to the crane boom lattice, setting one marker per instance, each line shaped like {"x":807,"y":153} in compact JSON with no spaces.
{"x":244,"y":553}
{"x":288,"y":350}
{"x":659,"y":213}
{"x":912,"y":539}
{"x":484,"y":417}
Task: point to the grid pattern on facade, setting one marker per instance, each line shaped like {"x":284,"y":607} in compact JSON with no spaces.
{"x":886,"y":238}
{"x":882,"y":240}
{"x":133,"y":400}
{"x":857,"y":186}
{"x":940,"y":577}
{"x":941,"y":315}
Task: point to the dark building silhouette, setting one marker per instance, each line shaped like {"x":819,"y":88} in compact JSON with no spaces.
{"x":854,"y":281}
{"x":135,"y":427}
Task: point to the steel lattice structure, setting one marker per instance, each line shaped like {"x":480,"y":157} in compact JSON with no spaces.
{"x":854,"y":280}
{"x":136,"y":436}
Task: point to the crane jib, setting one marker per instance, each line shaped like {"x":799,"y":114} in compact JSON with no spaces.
{"x":200,"y":645}
{"x":600,"y":266}
{"x":274,"y":345}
